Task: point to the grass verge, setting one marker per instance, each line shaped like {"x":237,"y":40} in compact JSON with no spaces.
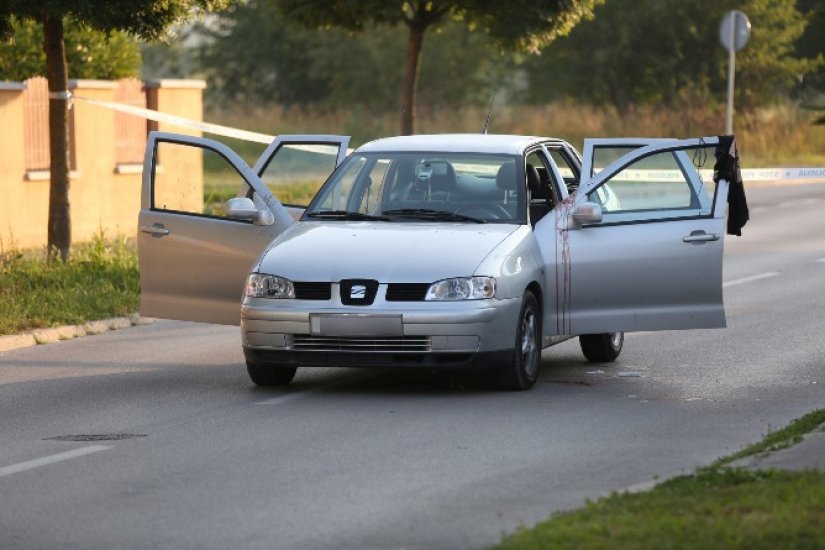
{"x":100,"y":280}
{"x":779,"y":439}
{"x":717,"y":507}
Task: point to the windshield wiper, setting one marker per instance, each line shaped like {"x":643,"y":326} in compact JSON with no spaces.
{"x":428,"y":214}
{"x":346,"y":215}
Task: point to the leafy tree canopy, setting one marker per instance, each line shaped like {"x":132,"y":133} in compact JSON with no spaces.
{"x":525,"y":25}
{"x":521,"y":25}
{"x":648,"y":51}
{"x":89,"y":53}
{"x":147,"y":19}
{"x":812,"y":45}
{"x":253,"y":54}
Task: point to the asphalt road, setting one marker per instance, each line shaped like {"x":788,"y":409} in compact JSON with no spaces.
{"x":378,"y":459}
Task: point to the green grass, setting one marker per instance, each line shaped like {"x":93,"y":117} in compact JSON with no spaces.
{"x":718,"y":507}
{"x":779,"y":439}
{"x":216,"y":191}
{"x":100,"y":280}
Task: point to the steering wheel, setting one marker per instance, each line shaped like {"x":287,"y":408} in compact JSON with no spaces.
{"x":495,"y":211}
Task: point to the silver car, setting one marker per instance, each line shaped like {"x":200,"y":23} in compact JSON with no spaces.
{"x":439,"y":251}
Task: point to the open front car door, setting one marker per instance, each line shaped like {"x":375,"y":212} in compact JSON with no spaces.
{"x":641,"y":242}
{"x":205,"y":218}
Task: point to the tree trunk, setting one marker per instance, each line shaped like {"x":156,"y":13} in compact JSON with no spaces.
{"x":414,"y":43}
{"x":60,"y":228}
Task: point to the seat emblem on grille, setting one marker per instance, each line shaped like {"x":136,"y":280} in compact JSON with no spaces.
{"x":358,"y":292}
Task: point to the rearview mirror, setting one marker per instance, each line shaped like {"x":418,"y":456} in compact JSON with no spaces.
{"x":242,"y":208}
{"x":587,"y":212}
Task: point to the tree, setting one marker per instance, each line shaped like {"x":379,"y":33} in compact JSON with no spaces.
{"x":335,"y":68}
{"x":668,"y":51}
{"x":523,"y":25}
{"x":252,"y":54}
{"x":90,"y":53}
{"x":142,"y":18}
{"x":812,"y":44}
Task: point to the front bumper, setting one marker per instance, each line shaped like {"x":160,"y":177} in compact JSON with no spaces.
{"x":464,"y":334}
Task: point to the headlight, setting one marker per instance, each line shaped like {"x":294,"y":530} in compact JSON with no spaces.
{"x":462,"y":288}
{"x":261,"y":285}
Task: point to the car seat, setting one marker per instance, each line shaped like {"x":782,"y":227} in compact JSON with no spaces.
{"x":541,"y":201}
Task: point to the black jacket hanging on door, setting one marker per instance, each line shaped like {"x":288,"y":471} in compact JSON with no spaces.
{"x":727,"y":168}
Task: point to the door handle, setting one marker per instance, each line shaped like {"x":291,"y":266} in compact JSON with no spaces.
{"x":700,"y":237}
{"x":157,"y":230}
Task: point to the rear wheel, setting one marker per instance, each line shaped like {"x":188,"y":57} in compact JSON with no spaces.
{"x":270,"y":375}
{"x":523,"y":370}
{"x":602,"y":348}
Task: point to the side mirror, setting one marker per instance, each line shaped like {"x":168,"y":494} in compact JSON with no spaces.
{"x":242,"y":208}
{"x":587,"y":212}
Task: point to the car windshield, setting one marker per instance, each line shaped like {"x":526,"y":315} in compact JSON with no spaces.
{"x":444,"y":187}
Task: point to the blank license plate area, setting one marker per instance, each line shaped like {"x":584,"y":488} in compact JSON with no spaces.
{"x":355,"y":324}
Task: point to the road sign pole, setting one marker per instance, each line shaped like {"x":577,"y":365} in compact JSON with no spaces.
{"x":734,"y":31}
{"x":731,"y":75}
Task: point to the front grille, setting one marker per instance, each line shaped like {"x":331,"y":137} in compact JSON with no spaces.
{"x":312,"y":291}
{"x":407,"y":292}
{"x":358,"y":292}
{"x":386,"y":344}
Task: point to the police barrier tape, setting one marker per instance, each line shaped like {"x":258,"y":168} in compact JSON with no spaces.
{"x":218,"y":129}
{"x":157,"y":116}
{"x":752,"y":174}
{"x":748,"y":174}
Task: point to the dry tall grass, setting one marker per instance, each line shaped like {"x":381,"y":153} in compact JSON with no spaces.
{"x":782,"y":134}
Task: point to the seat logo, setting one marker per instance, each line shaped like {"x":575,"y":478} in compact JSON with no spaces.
{"x":358,"y":292}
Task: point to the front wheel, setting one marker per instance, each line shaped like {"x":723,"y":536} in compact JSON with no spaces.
{"x":523,"y":370}
{"x":602,"y":348}
{"x":270,"y":375}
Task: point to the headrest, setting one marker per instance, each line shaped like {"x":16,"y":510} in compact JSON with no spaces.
{"x":506,"y":177}
{"x":538,"y":189}
{"x":443,"y":179}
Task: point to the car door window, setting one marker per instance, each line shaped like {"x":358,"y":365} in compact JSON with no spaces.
{"x":659,"y":186}
{"x":601,"y":152}
{"x":296,"y":171}
{"x":193,"y":180}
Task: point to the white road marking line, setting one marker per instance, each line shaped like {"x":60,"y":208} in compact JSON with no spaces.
{"x":821,"y":261}
{"x":752,"y":278}
{"x":51,"y":459}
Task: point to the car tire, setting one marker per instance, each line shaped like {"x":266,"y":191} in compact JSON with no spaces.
{"x":270,"y":375}
{"x":602,"y":348}
{"x":525,"y":365}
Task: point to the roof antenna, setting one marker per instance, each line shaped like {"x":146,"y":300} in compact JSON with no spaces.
{"x":489,"y":112}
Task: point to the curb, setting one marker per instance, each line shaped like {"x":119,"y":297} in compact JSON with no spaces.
{"x":69,"y":332}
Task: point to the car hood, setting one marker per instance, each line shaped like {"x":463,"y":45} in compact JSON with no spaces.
{"x":396,"y":252}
